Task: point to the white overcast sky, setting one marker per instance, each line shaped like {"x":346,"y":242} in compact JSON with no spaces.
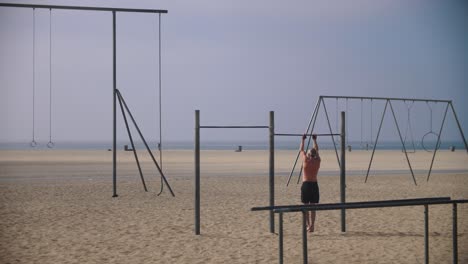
{"x":234,"y":61}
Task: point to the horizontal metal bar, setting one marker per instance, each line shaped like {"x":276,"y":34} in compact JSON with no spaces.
{"x":89,"y":8}
{"x":234,"y":127}
{"x":264,"y":208}
{"x":324,"y":207}
{"x":384,"y":98}
{"x":300,"y":135}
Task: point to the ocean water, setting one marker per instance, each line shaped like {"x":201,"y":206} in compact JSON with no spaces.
{"x":230,"y":145}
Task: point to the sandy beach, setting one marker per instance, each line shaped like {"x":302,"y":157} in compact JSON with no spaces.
{"x":56,"y":206}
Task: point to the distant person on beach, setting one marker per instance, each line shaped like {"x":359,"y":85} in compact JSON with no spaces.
{"x":309,"y":189}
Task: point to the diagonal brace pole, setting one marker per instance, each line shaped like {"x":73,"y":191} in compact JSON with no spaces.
{"x":438,"y":142}
{"x":376,"y":139}
{"x":402,"y":142}
{"x":144,"y":141}
{"x":133,"y":145}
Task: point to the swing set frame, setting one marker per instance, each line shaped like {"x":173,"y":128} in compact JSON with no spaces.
{"x":388,"y":102}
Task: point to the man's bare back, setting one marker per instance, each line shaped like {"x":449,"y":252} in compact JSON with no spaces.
{"x":310,"y":163}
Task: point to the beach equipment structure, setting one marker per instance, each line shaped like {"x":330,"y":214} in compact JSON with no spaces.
{"x":114,"y":12}
{"x":388,"y":104}
{"x":272,"y":134}
{"x":367,"y":205}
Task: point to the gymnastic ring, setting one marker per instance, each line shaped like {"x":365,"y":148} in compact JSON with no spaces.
{"x":50,"y":144}
{"x":422,"y":140}
{"x":33,"y":144}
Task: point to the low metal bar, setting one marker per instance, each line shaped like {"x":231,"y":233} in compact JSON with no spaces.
{"x":89,"y":8}
{"x":402,"y":142}
{"x":325,"y":207}
{"x":146,"y":144}
{"x":300,"y":135}
{"x":133,"y":145}
{"x":454,"y":233}
{"x":459,"y":127}
{"x":304,"y":237}
{"x":376,"y":139}
{"x":438,"y":142}
{"x":431,"y":199}
{"x":234,"y":127}
{"x":385,"y":98}
{"x":280,"y":240}
{"x":426,"y":234}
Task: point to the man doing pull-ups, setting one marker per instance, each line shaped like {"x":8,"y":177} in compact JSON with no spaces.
{"x":309,"y":189}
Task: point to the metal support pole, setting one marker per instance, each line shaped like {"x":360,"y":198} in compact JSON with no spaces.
{"x":114,"y":108}
{"x":402,"y":142}
{"x":304,"y":237}
{"x":343,"y":170}
{"x":272,"y":169}
{"x":438,"y":142}
{"x":455,"y":233}
{"x":133,"y":145}
{"x":197,"y":172}
{"x":459,"y":127}
{"x":280,"y":227}
{"x":376,"y":139}
{"x":426,"y":234}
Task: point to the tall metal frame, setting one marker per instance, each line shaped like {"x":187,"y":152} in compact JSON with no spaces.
{"x":114,"y":62}
{"x":388,"y":102}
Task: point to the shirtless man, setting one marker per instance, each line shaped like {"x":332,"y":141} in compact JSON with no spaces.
{"x":309,"y":189}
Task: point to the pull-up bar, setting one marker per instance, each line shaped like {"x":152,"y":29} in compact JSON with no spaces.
{"x":300,"y":135}
{"x":384,"y":98}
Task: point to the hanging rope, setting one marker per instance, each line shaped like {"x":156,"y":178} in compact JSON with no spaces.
{"x":50,"y":144}
{"x":408,"y":127}
{"x":371,"y":124}
{"x":347,"y":117}
{"x":431,"y":132}
{"x":33,"y":141}
{"x":362,"y":123}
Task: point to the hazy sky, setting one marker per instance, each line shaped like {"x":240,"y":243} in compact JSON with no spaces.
{"x":235,"y":61}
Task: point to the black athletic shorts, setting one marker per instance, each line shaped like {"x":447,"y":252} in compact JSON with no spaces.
{"x":310,"y":192}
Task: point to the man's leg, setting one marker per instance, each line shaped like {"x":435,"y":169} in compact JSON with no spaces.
{"x":307,"y":219}
{"x":312,"y":221}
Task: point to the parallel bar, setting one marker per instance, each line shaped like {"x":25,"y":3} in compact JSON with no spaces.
{"x":459,"y":127}
{"x":386,"y":98}
{"x":376,"y":139}
{"x":304,"y":237}
{"x":197,"y":172}
{"x":402,"y":142}
{"x":234,"y":127}
{"x":343,"y":171}
{"x":431,"y":199}
{"x":438,"y":142}
{"x":280,"y":233}
{"x":455,"y":233}
{"x":114,"y":107}
{"x":322,"y":207}
{"x":89,"y":8}
{"x":426,"y":234}
{"x":300,"y":135}
{"x":272,"y":169}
